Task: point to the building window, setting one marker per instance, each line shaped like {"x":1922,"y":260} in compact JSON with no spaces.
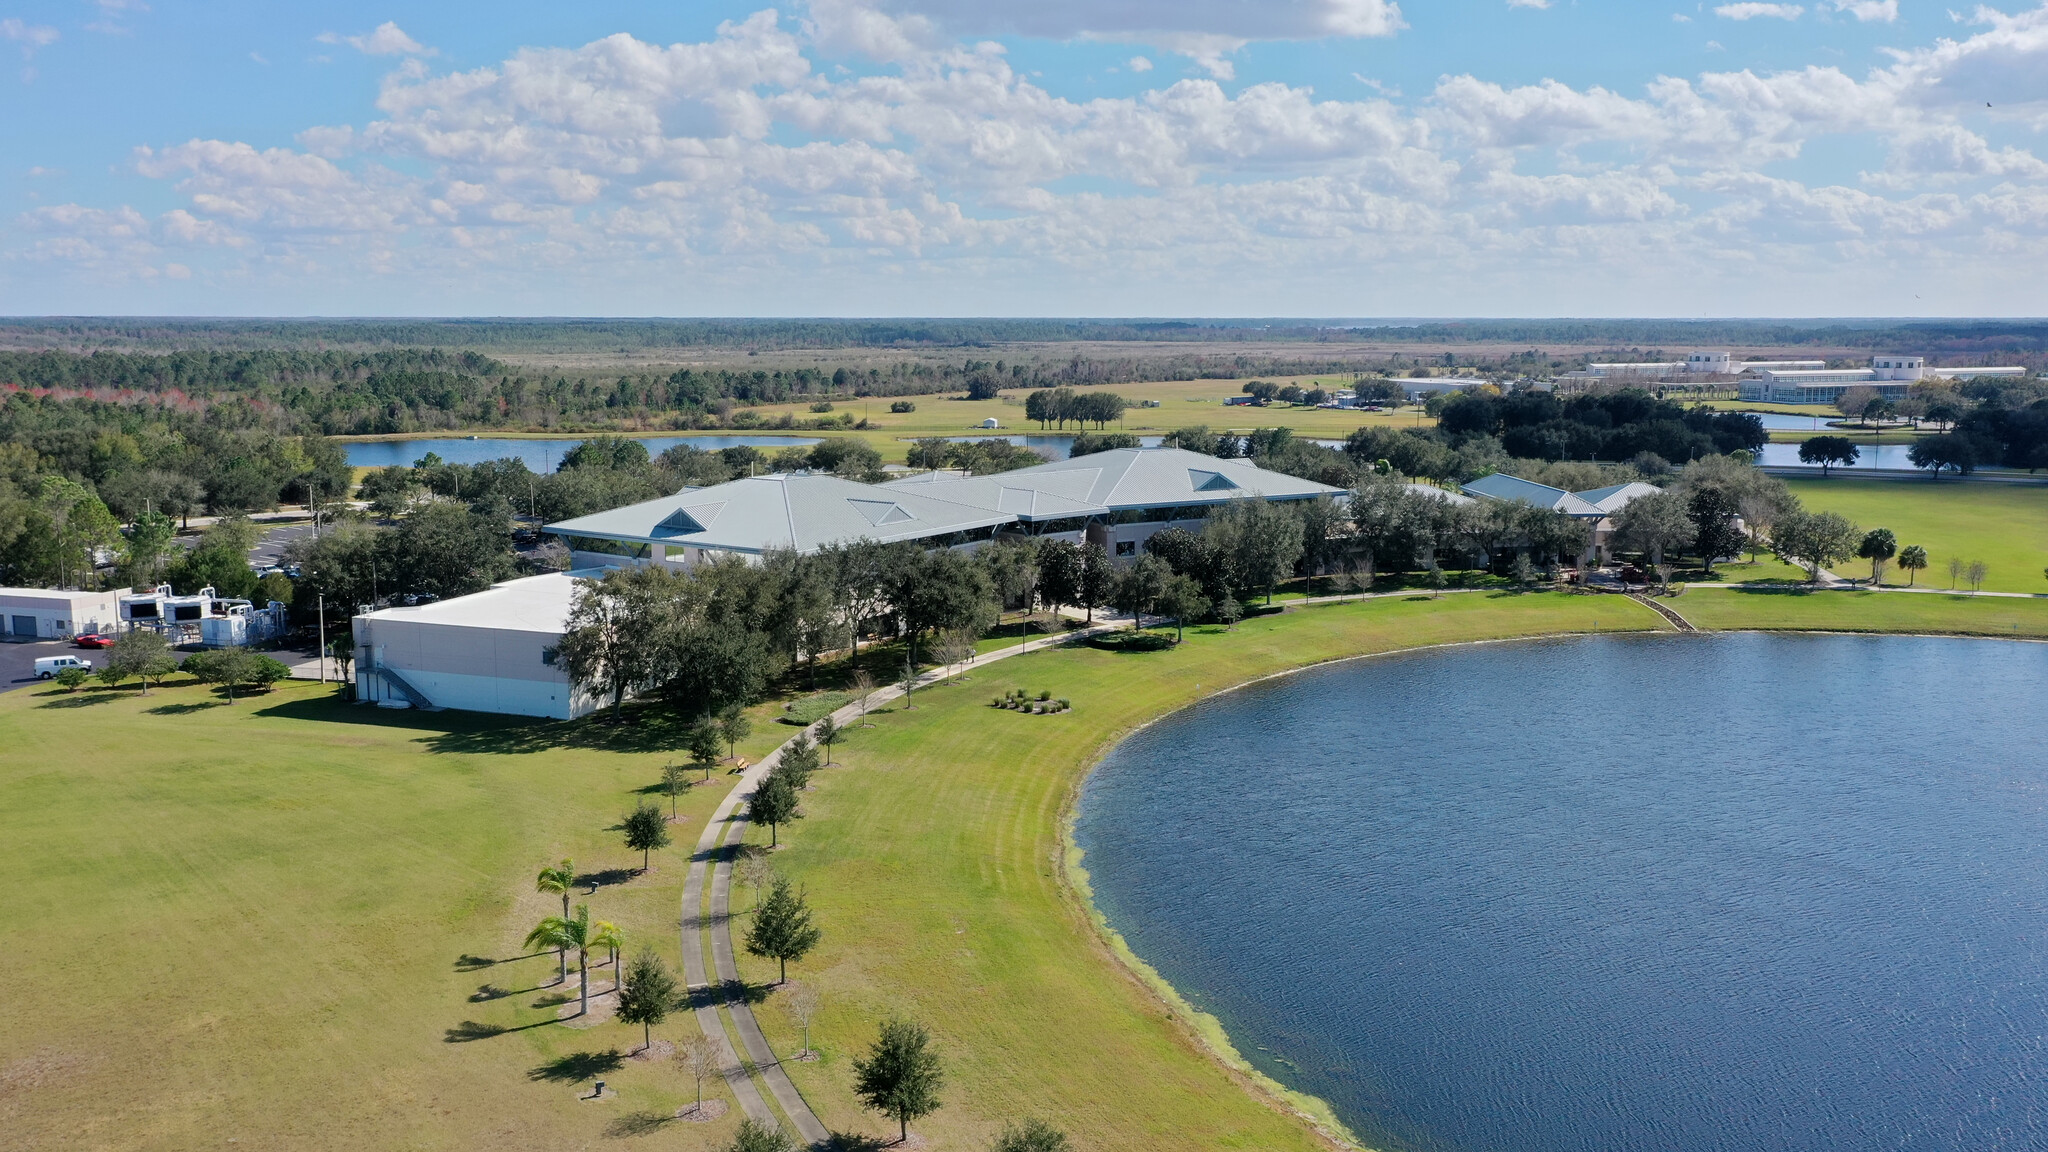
{"x":1127,"y":547}
{"x":550,"y":656}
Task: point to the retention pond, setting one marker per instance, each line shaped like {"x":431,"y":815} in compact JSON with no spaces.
{"x":1684,"y":894}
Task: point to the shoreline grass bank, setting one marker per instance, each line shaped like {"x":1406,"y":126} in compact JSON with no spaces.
{"x":296,"y":922}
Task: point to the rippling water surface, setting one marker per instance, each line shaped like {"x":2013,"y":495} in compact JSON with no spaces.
{"x":1683,"y":893}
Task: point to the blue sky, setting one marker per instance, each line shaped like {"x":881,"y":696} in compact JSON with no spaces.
{"x":1053,"y":157}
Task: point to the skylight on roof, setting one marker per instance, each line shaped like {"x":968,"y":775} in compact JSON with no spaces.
{"x":1210,"y":481}
{"x":697,"y":519}
{"x":881,"y":512}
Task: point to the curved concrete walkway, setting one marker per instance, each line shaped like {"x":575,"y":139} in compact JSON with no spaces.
{"x":730,"y":1068}
{"x":713,"y":860}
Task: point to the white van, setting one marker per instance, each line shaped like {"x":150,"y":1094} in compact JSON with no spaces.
{"x":49,"y":666}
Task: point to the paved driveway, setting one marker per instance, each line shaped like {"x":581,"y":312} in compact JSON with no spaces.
{"x":18,"y":661}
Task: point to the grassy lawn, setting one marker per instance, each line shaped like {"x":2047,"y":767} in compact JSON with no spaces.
{"x":2004,"y":525}
{"x":932,"y":861}
{"x":254,"y":921}
{"x":1863,"y":611}
{"x":292,"y":923}
{"x":245,"y":922}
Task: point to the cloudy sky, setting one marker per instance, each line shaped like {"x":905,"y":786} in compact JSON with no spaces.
{"x":1025,"y":157}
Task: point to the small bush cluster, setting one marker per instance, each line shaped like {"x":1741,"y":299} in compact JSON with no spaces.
{"x":1018,"y":700}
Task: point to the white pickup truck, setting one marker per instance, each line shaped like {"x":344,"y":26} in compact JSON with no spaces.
{"x":49,"y":666}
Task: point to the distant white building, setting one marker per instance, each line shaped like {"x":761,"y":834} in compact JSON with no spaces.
{"x":1890,"y":376}
{"x":1417,"y":387}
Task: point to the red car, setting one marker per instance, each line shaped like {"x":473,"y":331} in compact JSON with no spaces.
{"x":92,"y":640}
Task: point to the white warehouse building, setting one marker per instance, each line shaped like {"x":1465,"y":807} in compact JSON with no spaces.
{"x":490,"y":652}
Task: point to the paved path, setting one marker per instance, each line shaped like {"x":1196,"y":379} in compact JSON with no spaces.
{"x":712,"y":859}
{"x":1677,"y":621}
{"x":756,"y":1044}
{"x":735,"y":1073}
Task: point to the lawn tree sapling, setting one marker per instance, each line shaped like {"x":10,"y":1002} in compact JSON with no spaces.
{"x":649,"y":995}
{"x":803,"y":1002}
{"x":674,"y":778}
{"x":901,"y":1075}
{"x":700,"y":1059}
{"x":645,"y":830}
{"x":733,"y":727}
{"x":782,"y":929}
{"x":774,"y":804}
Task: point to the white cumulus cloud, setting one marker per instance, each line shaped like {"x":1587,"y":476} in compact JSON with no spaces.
{"x":1870,"y":11}
{"x":1753,"y":11}
{"x":387,"y":39}
{"x":745,"y":171}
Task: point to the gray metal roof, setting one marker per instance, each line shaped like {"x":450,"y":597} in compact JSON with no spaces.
{"x":1134,"y":478}
{"x":1617,"y":496}
{"x":1046,"y":498}
{"x":1501,"y":486}
{"x":799,"y":510}
{"x":1436,"y":493}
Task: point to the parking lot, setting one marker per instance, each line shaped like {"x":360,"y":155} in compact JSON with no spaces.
{"x":18,"y":661}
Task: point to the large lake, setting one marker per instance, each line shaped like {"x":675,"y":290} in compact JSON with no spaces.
{"x":1725,"y":893}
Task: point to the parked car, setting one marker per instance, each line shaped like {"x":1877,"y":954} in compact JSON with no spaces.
{"x":49,"y":666}
{"x":92,"y":640}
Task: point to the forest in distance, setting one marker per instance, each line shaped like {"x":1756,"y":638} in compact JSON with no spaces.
{"x":505,"y":336}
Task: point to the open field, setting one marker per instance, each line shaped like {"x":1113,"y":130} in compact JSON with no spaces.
{"x":243,"y":922}
{"x":293,"y":923}
{"x":1182,"y":404}
{"x":1844,"y":610}
{"x":2004,"y":525}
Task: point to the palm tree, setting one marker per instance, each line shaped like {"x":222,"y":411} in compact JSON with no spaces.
{"x":566,"y":932}
{"x":558,"y":880}
{"x":605,"y":934}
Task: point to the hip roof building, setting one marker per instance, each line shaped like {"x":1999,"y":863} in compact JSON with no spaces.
{"x":495,"y":651}
{"x":1106,"y":497}
{"x":1596,"y":506}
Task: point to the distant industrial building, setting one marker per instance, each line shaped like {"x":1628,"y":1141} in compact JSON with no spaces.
{"x":1891,"y":377}
{"x":1702,"y":364}
{"x":1416,"y":388}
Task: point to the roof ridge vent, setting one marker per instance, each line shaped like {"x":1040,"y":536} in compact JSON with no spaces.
{"x":1206,"y":481}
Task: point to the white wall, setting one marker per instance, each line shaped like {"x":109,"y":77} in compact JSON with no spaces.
{"x":59,"y":614}
{"x":473,"y":667}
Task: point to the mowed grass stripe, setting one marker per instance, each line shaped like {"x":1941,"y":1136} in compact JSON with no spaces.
{"x":2004,"y":525}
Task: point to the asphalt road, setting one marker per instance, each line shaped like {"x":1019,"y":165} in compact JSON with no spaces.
{"x":18,"y":661}
{"x":269,"y":551}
